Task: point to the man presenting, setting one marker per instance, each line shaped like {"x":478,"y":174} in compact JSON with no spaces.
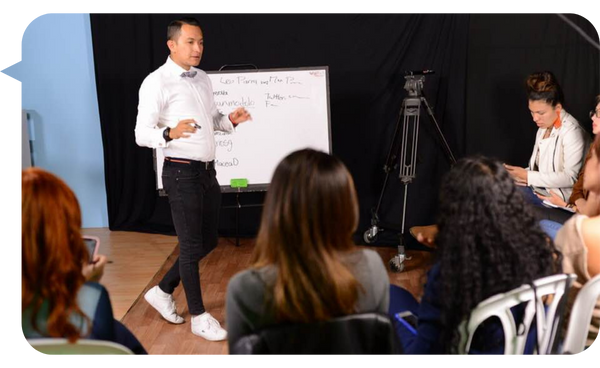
{"x":177,"y":114}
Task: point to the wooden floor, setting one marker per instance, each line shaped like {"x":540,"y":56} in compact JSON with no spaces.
{"x":136,"y":264}
{"x":133,"y":259}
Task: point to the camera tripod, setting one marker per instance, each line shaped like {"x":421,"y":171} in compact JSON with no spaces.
{"x":409,"y":116}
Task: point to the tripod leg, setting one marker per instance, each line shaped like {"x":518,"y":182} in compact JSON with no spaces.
{"x":375,"y":214}
{"x":391,"y":158}
{"x":440,"y":135}
{"x":410,"y":136}
{"x":397,"y":262}
{"x":392,"y":154}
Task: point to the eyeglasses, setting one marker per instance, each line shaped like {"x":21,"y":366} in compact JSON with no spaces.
{"x":595,"y":112}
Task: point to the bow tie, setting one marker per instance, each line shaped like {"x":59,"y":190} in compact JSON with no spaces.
{"x":188,"y":74}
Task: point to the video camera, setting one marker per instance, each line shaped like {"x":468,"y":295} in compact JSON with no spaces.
{"x":414,"y":81}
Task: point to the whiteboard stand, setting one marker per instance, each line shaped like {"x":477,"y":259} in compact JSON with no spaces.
{"x":237,"y":218}
{"x":238,"y":206}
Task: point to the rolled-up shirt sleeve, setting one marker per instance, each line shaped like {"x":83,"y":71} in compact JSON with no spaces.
{"x":220,"y":122}
{"x":151,"y":102}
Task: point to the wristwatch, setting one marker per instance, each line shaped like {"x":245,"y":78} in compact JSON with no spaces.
{"x":166,"y":134}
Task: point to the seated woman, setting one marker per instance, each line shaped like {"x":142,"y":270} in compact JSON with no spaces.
{"x":60,"y":296}
{"x":579,"y":201}
{"x":305,"y":265}
{"x":559,"y":147}
{"x":488,"y":243}
{"x":582,"y":201}
{"x":579,"y":238}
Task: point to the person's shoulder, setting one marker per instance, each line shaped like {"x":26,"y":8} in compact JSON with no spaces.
{"x":566,"y":240}
{"x":92,"y":291}
{"x":93,"y":287}
{"x":567,"y":118}
{"x":590,"y":230}
{"x":569,"y":123}
{"x":373,"y":259}
{"x":156,"y":77}
{"x":371,"y":255}
{"x":201,"y":74}
{"x":199,"y":71}
{"x":248,"y":280}
{"x":239,"y":279}
{"x":90,"y":295}
{"x":247,"y":288}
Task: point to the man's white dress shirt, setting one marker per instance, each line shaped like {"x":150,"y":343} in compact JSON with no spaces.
{"x":166,"y":98}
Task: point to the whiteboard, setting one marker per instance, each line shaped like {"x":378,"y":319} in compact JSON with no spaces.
{"x":290,"y":111}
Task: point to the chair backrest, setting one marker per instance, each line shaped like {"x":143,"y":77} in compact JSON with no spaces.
{"x":548,"y":317}
{"x":367,"y":333}
{"x":81,"y":346}
{"x":581,"y":314}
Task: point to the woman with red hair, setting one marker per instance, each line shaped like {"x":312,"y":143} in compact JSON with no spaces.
{"x":60,"y":293}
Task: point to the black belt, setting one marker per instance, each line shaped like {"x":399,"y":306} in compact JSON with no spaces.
{"x":184,"y":162}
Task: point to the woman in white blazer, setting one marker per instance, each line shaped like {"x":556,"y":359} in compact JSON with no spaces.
{"x":560,"y":144}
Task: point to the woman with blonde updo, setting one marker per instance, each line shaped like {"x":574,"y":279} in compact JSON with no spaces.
{"x":560,"y":143}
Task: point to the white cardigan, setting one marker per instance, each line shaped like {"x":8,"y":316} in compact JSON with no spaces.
{"x":561,"y":156}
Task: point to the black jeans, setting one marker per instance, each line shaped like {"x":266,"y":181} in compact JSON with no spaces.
{"x":195,"y":199}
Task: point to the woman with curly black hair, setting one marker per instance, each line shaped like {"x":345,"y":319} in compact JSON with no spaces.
{"x":488,"y":242}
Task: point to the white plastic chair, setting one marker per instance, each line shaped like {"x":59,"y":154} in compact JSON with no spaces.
{"x":499,"y":306}
{"x":581,"y":314}
{"x":81,"y":346}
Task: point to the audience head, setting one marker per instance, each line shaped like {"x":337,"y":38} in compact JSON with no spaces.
{"x":595,"y":116}
{"x":591,"y":173}
{"x":309,"y":216}
{"x":489,"y":241}
{"x":545,"y":98}
{"x":53,"y":251}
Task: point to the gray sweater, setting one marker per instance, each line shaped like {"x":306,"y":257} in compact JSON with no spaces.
{"x":248,"y":291}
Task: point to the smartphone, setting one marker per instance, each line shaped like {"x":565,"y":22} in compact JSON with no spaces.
{"x":92,"y":244}
{"x":408,"y":319}
{"x":541,"y":191}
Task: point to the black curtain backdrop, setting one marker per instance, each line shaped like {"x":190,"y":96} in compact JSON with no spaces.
{"x":480,"y":63}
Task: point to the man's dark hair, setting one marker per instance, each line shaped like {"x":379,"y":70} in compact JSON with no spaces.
{"x":174,"y":28}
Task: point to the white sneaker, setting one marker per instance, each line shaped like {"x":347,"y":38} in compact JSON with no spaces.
{"x":207,"y":327}
{"x":165,"y":305}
